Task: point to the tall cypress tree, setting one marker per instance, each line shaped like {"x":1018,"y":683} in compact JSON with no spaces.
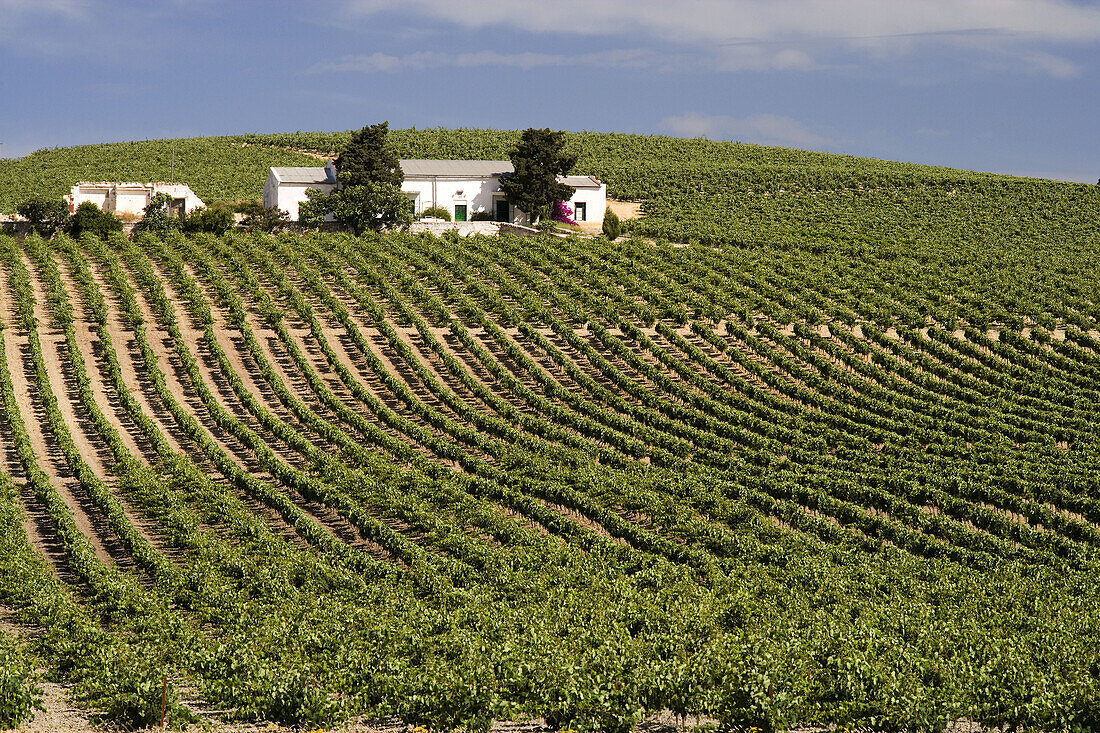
{"x":538,"y":160}
{"x":368,"y":158}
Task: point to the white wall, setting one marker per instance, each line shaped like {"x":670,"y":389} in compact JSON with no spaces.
{"x":97,"y":195}
{"x":271,"y":191}
{"x":130,"y":198}
{"x":475,"y":193}
{"x":464,"y":228}
{"x":423,"y":191}
{"x":595,"y":200}
{"x":292,"y":194}
{"x":179,"y":191}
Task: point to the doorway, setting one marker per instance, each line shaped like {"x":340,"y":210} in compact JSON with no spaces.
{"x":460,"y":212}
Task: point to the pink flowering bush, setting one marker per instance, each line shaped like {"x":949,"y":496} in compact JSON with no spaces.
{"x":563,"y":212}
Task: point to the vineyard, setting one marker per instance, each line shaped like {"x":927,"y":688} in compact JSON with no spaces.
{"x":832,"y":459}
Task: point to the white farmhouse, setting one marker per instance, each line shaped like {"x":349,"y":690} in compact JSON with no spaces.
{"x":132,"y":198}
{"x":462,"y":187}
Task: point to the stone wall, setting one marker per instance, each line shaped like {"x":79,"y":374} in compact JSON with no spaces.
{"x":464,"y":228}
{"x":519,"y":230}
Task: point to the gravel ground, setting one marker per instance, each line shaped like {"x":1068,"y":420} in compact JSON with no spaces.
{"x":61,"y":716}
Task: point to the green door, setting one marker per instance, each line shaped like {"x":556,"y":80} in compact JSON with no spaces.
{"x":502,"y":210}
{"x":460,"y":212}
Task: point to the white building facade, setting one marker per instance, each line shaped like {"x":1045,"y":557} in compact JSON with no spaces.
{"x":132,"y":198}
{"x":286,"y":187}
{"x":589,"y":202}
{"x":462,"y":187}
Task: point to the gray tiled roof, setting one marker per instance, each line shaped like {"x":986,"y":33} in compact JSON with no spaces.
{"x":579,"y":181}
{"x":417,"y":168}
{"x":301,"y":175}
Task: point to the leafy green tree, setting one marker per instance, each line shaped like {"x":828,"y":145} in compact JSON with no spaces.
{"x":157,"y":217}
{"x":368,"y":195}
{"x":612,"y":227}
{"x":368,"y":158}
{"x":369,"y":207}
{"x":46,"y":215}
{"x":91,"y":219}
{"x":538,"y":160}
{"x":213,"y":219}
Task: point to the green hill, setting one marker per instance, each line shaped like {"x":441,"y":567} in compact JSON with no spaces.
{"x":215,"y":168}
{"x":694,"y":190}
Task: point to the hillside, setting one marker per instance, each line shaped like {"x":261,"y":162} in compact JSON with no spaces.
{"x":836,"y":461}
{"x":693,"y":190}
{"x":215,"y":168}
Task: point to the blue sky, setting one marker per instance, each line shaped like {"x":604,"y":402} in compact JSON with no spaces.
{"x":999,"y":85}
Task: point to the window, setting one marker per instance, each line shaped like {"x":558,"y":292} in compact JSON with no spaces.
{"x":580,"y":213}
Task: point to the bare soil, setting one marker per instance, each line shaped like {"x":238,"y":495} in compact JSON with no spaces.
{"x":50,"y":459}
{"x":625,"y":209}
{"x":87,"y":341}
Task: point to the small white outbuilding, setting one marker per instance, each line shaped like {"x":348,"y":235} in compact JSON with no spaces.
{"x":462,"y":187}
{"x":286,"y":187}
{"x":589,"y":202}
{"x":132,"y":198}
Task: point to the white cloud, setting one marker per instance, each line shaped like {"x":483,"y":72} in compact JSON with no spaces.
{"x":775,"y":34}
{"x":420,"y":60}
{"x":69,"y":8}
{"x":746,"y":57}
{"x":764,"y":129}
{"x":65,"y":28}
{"x":717,"y":20}
{"x":1049,"y":63}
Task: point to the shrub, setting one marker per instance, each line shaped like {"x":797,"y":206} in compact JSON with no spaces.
{"x":19,"y":695}
{"x":215,"y":219}
{"x":157,"y":217}
{"x":612,"y":227}
{"x":46,"y":216}
{"x":563,"y":212}
{"x":435,"y":212}
{"x":248,"y":208}
{"x":91,"y":219}
{"x":136,"y":696}
{"x":260,"y":219}
{"x":481,"y":216}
